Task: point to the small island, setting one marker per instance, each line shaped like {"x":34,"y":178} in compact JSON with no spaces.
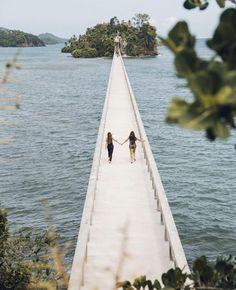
{"x":17,"y":38}
{"x":50,"y":39}
{"x":139,"y":38}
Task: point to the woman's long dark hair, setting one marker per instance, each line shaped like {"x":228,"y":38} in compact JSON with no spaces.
{"x":132,"y":137}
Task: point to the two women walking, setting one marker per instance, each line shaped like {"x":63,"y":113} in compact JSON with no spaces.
{"x":132,"y":145}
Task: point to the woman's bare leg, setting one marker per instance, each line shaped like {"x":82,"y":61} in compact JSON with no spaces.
{"x":131,"y":154}
{"x":134,"y":154}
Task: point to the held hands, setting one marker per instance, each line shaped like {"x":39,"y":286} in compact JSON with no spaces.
{"x":120,"y":143}
{"x":124,"y":142}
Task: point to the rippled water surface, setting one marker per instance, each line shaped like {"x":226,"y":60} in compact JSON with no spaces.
{"x":54,"y":135}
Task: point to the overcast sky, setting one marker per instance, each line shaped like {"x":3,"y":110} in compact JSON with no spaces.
{"x":67,"y":17}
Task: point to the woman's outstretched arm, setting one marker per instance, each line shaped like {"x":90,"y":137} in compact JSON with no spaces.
{"x":140,"y":140}
{"x":125,"y":141}
{"x":116,"y":141}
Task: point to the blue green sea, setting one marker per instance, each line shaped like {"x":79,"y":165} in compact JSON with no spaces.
{"x":53,"y":140}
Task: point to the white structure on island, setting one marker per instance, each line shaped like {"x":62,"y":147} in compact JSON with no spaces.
{"x":127,"y":228}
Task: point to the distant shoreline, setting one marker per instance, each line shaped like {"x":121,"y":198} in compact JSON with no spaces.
{"x":17,"y":38}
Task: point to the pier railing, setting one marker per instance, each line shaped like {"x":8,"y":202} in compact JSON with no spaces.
{"x":80,"y":256}
{"x":176,"y":252}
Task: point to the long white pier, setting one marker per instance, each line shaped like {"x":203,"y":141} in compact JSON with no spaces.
{"x":127,"y":228}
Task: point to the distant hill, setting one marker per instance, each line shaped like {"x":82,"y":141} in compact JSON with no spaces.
{"x":17,"y":38}
{"x":49,"y":38}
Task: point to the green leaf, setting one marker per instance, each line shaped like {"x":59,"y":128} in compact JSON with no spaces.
{"x":203,"y":6}
{"x":157,"y":285}
{"x":221,"y":130}
{"x":205,"y":84}
{"x":169,"y":43}
{"x":207,"y":275}
{"x":188,"y":5}
{"x":176,"y":109}
{"x":199,"y":264}
{"x":149,"y":285}
{"x":225,"y":43}
{"x":165,"y":279}
{"x":185,"y":62}
{"x":221,"y":3}
{"x":181,"y":36}
{"x":196,"y":121}
{"x":137,"y":283}
{"x":143,"y":281}
{"x":223,"y":266}
{"x":124,"y":285}
{"x":174,"y":278}
{"x":230,"y":78}
{"x":224,"y":95}
{"x":210,"y":134}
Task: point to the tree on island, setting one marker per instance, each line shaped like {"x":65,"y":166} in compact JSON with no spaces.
{"x":139,"y":38}
{"x":17,"y":38}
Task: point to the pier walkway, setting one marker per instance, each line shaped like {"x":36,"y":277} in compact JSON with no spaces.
{"x":127,"y":228}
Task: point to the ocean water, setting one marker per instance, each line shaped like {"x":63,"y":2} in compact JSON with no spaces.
{"x":54,"y":134}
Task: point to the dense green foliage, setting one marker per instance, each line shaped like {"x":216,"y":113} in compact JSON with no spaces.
{"x":203,"y":4}
{"x":25,"y":262}
{"x":212,"y":82}
{"x":86,"y":52}
{"x":16,"y":38}
{"x":49,"y":38}
{"x":220,"y":274}
{"x":139,"y":38}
